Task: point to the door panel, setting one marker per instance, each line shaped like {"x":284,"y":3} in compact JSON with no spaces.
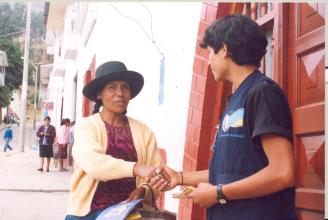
{"x":306,"y":51}
{"x":311,"y":82}
{"x":311,"y":17}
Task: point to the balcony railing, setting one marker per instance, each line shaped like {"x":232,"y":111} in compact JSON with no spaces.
{"x":70,"y":46}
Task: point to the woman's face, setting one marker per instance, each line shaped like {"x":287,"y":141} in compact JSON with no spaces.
{"x":115,"y":96}
{"x":46,"y":122}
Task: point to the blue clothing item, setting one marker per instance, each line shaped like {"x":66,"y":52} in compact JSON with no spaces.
{"x":8,"y":133}
{"x":44,"y":141}
{"x":70,"y":137}
{"x":91,"y":216}
{"x":7,"y":146}
{"x":238,"y":153}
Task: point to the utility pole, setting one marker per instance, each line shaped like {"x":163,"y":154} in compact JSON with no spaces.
{"x":35,"y":93}
{"x":21,"y":140}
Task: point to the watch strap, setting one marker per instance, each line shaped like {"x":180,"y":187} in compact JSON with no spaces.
{"x":219,"y":195}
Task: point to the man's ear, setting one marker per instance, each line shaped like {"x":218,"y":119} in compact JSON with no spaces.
{"x":224,"y":51}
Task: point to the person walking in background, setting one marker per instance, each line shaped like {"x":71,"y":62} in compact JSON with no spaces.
{"x":8,"y":136}
{"x":112,"y":152}
{"x":62,"y":141}
{"x":70,"y":142}
{"x":46,"y":134}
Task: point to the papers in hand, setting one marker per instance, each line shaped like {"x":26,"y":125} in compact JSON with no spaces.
{"x":183,"y":194}
{"x":118,"y":211}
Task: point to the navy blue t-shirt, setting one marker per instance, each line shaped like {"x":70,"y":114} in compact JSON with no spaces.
{"x":256,"y":108}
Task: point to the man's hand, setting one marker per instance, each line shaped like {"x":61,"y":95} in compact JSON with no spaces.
{"x":204,"y":195}
{"x":165,"y":179}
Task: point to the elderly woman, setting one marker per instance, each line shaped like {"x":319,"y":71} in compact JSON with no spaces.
{"x":113,"y":153}
{"x":46,"y":134}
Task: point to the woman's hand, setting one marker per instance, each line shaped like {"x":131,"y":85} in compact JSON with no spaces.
{"x":143,"y":171}
{"x":138,"y":193}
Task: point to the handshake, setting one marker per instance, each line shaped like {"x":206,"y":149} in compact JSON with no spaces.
{"x":161,"y":178}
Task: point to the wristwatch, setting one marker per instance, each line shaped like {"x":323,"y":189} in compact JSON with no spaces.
{"x":220,"y":196}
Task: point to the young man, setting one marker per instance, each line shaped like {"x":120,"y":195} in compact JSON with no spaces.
{"x":251,"y":173}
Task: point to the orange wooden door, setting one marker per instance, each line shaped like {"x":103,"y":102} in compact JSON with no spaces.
{"x":86,"y":109}
{"x":306,"y":51}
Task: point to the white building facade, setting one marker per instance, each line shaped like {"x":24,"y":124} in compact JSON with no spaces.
{"x":84,"y":35}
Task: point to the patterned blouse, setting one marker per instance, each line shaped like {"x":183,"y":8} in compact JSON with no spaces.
{"x":120,"y":145}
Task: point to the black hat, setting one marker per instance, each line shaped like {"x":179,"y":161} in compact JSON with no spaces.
{"x":110,"y":71}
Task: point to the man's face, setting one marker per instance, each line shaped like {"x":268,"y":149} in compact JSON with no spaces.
{"x":218,"y":63}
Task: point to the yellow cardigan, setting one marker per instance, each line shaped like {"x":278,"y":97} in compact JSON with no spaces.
{"x":93,"y":165}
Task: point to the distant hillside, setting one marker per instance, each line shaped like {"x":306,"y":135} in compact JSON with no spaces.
{"x":13,"y":20}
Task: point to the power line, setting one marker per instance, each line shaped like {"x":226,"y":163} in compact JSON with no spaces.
{"x":142,"y":28}
{"x":151,"y":20}
{"x":12,"y":33}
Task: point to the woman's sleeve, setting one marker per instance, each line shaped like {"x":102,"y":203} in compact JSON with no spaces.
{"x":153,"y":155}
{"x":89,"y":156}
{"x":153,"y":158}
{"x":53,"y":132}
{"x":38,"y":132}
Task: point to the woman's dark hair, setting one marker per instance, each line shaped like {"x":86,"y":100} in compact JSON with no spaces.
{"x":96,"y":107}
{"x":245,"y":40}
{"x":64,"y":121}
{"x":46,"y":118}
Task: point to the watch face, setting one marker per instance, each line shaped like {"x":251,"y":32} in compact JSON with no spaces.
{"x":222,"y":201}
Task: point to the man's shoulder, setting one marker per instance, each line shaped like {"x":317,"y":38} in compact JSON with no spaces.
{"x":265,"y":85}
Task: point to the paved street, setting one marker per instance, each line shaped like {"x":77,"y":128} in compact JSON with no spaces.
{"x":26,"y":193}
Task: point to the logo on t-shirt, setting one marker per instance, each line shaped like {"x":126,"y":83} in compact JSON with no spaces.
{"x":233,"y":119}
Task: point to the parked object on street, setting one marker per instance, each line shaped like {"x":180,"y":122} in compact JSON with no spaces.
{"x":8,"y":136}
{"x":10,"y":119}
{"x":55,"y":154}
{"x":46,"y":134}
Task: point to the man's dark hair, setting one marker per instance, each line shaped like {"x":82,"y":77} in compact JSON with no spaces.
{"x":245,"y":40}
{"x":46,"y":118}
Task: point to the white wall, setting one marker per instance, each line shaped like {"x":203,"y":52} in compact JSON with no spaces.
{"x":69,"y":98}
{"x":115,"y":37}
{"x":55,"y":92}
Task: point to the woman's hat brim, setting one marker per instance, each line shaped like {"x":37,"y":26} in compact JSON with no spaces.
{"x":134,"y":79}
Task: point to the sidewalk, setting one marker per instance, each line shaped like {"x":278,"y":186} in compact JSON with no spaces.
{"x":26,"y":193}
